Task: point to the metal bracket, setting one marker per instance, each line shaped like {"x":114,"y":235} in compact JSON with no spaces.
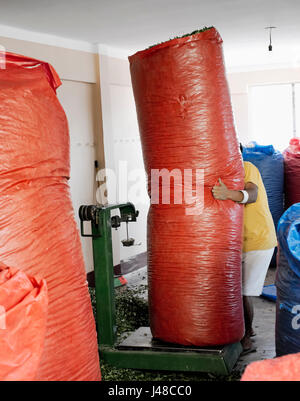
{"x":89,"y":213}
{"x":92,"y":213}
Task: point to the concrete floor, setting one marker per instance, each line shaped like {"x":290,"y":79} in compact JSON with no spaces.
{"x":264,"y":319}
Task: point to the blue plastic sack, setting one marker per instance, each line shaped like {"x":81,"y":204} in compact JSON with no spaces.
{"x":270,"y":164}
{"x":288,"y":234}
{"x":266,"y":149}
{"x":288,"y":283}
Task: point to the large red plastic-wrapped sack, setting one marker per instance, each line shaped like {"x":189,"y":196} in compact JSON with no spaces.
{"x":37,"y":227}
{"x":194,"y":248}
{"x":284,"y":368}
{"x":23,"y":318}
{"x":292,"y":172}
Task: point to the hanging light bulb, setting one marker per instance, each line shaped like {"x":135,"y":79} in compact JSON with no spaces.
{"x":270,"y":44}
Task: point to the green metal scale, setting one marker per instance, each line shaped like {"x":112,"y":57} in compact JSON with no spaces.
{"x":139,"y":350}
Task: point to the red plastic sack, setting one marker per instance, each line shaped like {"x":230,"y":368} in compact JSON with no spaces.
{"x":23,"y":317}
{"x":194,"y":256}
{"x":37,"y":226}
{"x":292,"y":172}
{"x":284,"y":368}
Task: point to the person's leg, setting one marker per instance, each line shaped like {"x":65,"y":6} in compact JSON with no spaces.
{"x":254,"y":270}
{"x":248,"y":316}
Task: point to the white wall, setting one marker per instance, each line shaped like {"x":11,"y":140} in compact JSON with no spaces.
{"x":239,"y":84}
{"x":122,"y":144}
{"x":77,"y":99}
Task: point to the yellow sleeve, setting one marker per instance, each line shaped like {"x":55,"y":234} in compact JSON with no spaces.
{"x":252,"y":173}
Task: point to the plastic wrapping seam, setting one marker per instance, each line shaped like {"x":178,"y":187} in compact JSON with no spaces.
{"x":25,"y":62}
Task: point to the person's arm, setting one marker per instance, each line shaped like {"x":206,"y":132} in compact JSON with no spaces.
{"x":221,"y":192}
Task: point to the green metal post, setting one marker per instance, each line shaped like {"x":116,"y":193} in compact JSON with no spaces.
{"x":104,"y":279}
{"x":104,"y":274}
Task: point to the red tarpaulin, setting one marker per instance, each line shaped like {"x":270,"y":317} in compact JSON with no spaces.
{"x":292,"y":172}
{"x":23,"y":318}
{"x":38,"y":232}
{"x":194,"y":255}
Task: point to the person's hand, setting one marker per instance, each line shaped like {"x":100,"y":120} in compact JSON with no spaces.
{"x":220,"y":192}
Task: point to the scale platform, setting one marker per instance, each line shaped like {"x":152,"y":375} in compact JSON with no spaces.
{"x":141,"y":351}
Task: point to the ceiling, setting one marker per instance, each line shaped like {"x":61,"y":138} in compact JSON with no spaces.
{"x":135,"y":24}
